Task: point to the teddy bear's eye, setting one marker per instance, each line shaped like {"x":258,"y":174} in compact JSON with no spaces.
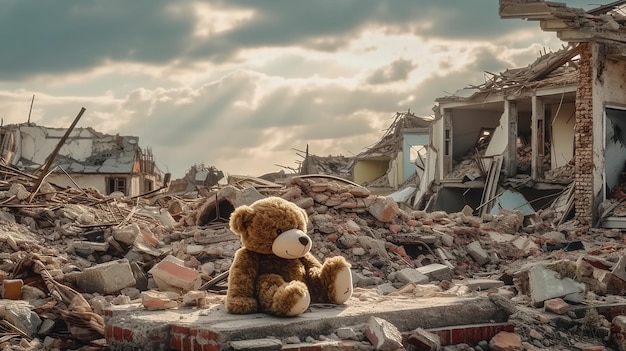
{"x":279,"y":231}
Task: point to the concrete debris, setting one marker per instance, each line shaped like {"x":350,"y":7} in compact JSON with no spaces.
{"x":66,"y":262}
{"x":424,"y":340}
{"x":383,"y":335}
{"x":506,"y":341}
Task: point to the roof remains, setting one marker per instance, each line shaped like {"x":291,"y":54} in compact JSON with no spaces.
{"x":391,"y":142}
{"x":552,"y":69}
{"x":605,"y":23}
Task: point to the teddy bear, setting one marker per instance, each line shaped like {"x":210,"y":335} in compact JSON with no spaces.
{"x":274,"y":271}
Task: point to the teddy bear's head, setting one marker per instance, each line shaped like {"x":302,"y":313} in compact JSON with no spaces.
{"x":272,"y":225}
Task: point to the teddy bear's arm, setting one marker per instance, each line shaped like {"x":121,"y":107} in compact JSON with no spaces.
{"x":240,"y":297}
{"x":311,"y":264}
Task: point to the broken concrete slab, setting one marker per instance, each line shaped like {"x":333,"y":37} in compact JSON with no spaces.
{"x":436,"y":271}
{"x":171,"y":275}
{"x":133,"y":326}
{"x":547,"y":284}
{"x":383,"y":335}
{"x":107,"y":278}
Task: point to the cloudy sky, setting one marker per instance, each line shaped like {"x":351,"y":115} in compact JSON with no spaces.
{"x":242,"y":85}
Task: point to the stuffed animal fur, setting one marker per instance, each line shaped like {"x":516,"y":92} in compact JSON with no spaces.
{"x":274,"y":272}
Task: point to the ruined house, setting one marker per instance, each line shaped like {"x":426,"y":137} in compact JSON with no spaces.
{"x":86,"y":158}
{"x":536,"y":133}
{"x":198,"y":178}
{"x":399,"y":155}
{"x":395,"y":163}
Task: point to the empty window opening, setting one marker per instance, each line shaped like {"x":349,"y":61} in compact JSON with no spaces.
{"x":116,"y":184}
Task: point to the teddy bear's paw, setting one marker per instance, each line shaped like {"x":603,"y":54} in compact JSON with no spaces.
{"x":342,"y":289}
{"x":291,"y":299}
{"x":301,"y":305}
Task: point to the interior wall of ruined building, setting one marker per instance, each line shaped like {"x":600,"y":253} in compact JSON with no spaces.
{"x":609,"y":110}
{"x":466,"y":127}
{"x":368,"y":170}
{"x":561,"y":130}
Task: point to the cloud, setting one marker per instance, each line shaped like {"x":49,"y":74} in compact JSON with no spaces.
{"x":243,"y":84}
{"x":397,"y":70}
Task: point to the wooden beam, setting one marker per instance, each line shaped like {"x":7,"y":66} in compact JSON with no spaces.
{"x":53,"y":155}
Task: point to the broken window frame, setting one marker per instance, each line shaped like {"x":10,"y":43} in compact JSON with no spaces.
{"x":117,"y":184}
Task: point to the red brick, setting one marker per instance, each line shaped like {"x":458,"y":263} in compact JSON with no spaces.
{"x":469,"y":334}
{"x":187,"y":344}
{"x":594,"y":348}
{"x":457,"y":336}
{"x":180,"y":329}
{"x":208,"y":334}
{"x":108,"y":331}
{"x":118,"y":333}
{"x":127,"y":334}
{"x":445,"y":335}
{"x":176,"y":342}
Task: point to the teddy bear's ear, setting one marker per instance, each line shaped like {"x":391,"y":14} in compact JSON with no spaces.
{"x":306,"y":217}
{"x":240,"y":219}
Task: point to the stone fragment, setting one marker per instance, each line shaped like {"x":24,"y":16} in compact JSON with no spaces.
{"x":436,"y":271}
{"x":126,"y":234}
{"x":20,"y":315}
{"x":157,"y":300}
{"x":171,"y":275}
{"x":90,"y":247}
{"x":557,"y":306}
{"x":476,"y":251}
{"x":384,"y":209}
{"x":267,"y":344}
{"x":386,"y":288}
{"x":107,"y":278}
{"x":383,"y":335}
{"x":547,"y":284}
{"x":424,"y":340}
{"x":408,"y":275}
{"x":479,"y":284}
{"x":346,"y":333}
{"x":505,"y":341}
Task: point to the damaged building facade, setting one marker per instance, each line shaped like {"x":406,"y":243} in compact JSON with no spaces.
{"x":85,"y":159}
{"x":554,"y":128}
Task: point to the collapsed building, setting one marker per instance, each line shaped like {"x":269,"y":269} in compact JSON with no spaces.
{"x":551,"y":129}
{"x":125,"y":256}
{"x":82,"y":157}
{"x":549,"y":135}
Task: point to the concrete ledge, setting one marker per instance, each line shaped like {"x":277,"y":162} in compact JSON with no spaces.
{"x":133,"y":327}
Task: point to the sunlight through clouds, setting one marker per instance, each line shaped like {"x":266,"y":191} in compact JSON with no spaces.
{"x":240,"y":84}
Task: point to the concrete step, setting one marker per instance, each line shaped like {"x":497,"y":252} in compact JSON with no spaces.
{"x":132,"y":327}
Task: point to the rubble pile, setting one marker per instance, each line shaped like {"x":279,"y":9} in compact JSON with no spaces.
{"x":69,"y":254}
{"x":524,"y":158}
{"x":564,"y":173}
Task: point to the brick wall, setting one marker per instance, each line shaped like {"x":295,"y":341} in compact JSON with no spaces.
{"x":583,"y":139}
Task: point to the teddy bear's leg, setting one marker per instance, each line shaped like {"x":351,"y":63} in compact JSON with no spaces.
{"x":343,"y":286}
{"x":282,"y":298}
{"x":336,"y":279}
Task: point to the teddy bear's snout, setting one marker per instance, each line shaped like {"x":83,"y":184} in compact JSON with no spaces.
{"x":292,"y":244}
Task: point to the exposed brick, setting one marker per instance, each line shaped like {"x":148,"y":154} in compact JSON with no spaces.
{"x":469,"y":334}
{"x":118,"y":333}
{"x":108,"y":331}
{"x":176,"y":342}
{"x":583,"y":139}
{"x":127,"y":335}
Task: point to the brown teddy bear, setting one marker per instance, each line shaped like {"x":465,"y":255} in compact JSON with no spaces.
{"x":274,"y":272}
